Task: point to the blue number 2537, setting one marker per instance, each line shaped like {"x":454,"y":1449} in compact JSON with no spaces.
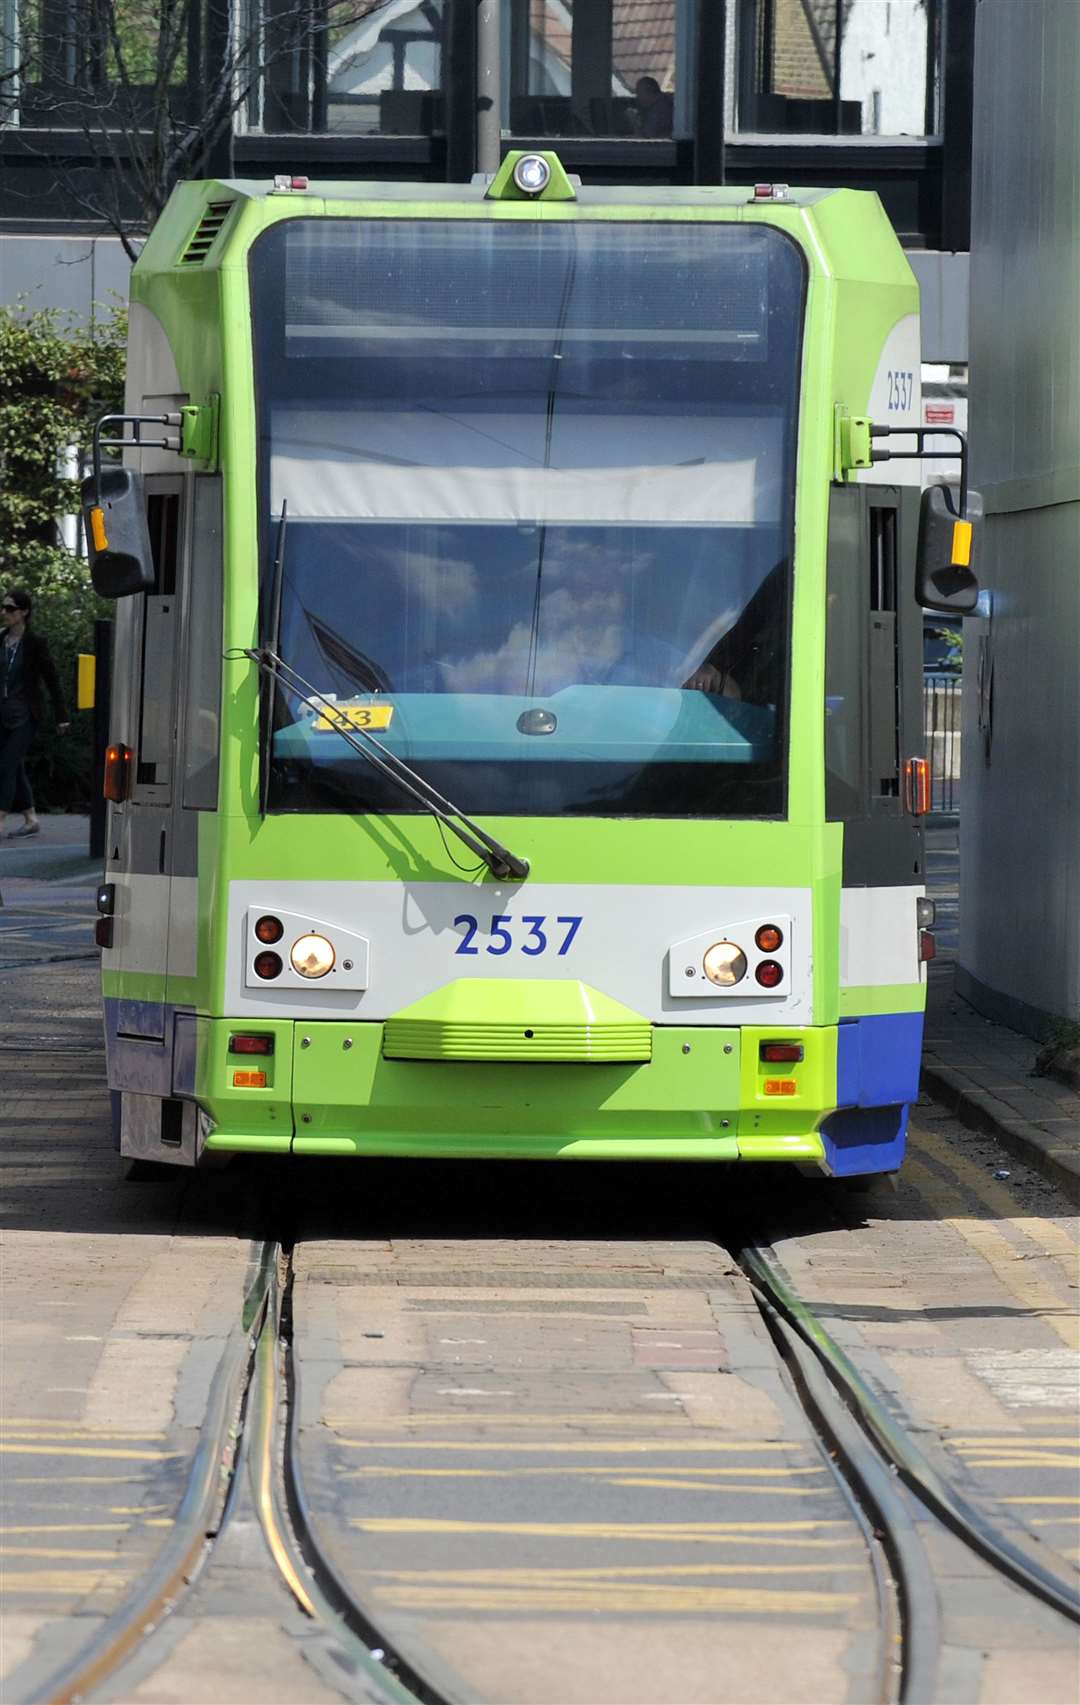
{"x":534,"y":942}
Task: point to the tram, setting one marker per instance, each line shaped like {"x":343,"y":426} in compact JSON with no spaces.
{"x":515,"y":743}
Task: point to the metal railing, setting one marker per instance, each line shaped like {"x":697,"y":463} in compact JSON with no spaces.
{"x":941,"y":726}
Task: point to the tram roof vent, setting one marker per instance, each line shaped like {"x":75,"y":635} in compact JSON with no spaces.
{"x":214,"y":217}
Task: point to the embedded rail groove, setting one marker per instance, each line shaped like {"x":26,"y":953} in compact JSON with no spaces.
{"x":243,"y":1425}
{"x":199,"y":1519}
{"x":813,"y":1347}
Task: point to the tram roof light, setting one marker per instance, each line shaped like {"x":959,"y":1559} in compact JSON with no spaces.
{"x":770,"y":192}
{"x":532,"y":174}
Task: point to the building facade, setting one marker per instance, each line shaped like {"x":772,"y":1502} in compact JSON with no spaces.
{"x":872,"y":94}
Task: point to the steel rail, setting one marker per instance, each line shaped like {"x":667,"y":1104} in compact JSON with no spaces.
{"x":910,"y":1655}
{"x":199,"y":1519}
{"x":290,"y":1535}
{"x":938,"y":1494}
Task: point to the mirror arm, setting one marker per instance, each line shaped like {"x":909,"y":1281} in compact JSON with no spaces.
{"x":921,"y":434}
{"x":135,"y":442}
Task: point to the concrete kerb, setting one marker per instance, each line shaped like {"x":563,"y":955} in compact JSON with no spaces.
{"x":981,"y":1110}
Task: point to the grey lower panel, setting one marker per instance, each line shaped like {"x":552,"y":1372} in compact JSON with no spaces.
{"x":145,"y":1134}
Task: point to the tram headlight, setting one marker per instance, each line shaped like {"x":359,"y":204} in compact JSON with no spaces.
{"x":312,"y":956}
{"x":724,"y":964}
{"x":532,"y":174}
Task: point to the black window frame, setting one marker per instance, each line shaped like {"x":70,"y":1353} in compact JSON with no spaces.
{"x":266,"y":524}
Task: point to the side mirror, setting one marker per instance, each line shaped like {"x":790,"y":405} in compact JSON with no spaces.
{"x":943,"y":575}
{"x":117,"y":536}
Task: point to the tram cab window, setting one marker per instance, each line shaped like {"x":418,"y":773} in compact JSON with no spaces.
{"x":160,"y":627}
{"x":533,"y":470}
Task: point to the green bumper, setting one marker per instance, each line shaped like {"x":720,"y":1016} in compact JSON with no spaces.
{"x":702,"y":1095}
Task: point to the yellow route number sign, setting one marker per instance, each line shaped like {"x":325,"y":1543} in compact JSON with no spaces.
{"x":355,"y":716}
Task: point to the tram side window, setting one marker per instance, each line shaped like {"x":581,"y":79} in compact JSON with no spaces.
{"x":160,"y":621}
{"x":202,"y":681}
{"x":845,"y":763}
{"x":883,"y":659}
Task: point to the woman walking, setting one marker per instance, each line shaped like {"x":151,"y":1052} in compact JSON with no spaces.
{"x":26,"y":673}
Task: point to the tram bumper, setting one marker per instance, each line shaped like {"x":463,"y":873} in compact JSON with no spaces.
{"x":702,"y":1094}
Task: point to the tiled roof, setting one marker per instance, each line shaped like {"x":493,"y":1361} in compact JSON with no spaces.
{"x":643,"y":41}
{"x":804,"y":47}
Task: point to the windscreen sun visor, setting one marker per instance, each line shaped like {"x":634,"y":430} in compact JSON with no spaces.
{"x":386,"y":465}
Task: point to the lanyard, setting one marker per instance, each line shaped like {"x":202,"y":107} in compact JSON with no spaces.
{"x":10,"y":654}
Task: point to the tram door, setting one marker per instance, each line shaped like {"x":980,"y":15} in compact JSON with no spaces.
{"x":140,"y":854}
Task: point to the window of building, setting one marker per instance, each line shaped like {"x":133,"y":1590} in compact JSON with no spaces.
{"x":616,"y":68}
{"x":362,"y":67}
{"x":837,"y":67}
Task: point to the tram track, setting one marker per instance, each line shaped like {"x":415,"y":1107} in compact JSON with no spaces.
{"x":244,"y":1430}
{"x":801,"y":1326}
{"x":251,"y":1439}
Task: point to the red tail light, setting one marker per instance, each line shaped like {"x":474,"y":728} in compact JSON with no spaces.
{"x":769,"y":973}
{"x":776,"y":1053}
{"x":927,"y":946}
{"x":251,"y":1044}
{"x":117,"y":773}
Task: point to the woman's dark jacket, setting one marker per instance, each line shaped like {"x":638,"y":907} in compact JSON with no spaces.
{"x":40,"y":677}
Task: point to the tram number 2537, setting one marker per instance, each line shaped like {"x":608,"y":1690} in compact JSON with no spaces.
{"x":901,"y":390}
{"x":541,"y":933}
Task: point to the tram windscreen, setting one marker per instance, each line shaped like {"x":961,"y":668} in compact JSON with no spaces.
{"x":539,"y":484}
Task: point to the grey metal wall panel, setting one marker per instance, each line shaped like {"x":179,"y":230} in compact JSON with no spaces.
{"x":82,"y":275}
{"x":1025,"y":275}
{"x":944,"y":281}
{"x":1020,"y":818}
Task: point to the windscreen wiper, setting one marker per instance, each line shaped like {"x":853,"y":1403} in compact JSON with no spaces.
{"x":499,"y":859}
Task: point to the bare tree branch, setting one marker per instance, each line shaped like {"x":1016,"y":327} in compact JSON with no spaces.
{"x":144,"y":103}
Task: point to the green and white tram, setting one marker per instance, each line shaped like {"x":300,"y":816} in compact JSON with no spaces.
{"x":516,"y":735}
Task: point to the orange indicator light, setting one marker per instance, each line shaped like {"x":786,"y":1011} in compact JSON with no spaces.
{"x":97,"y":530}
{"x":917,"y":786}
{"x":117,"y":773}
{"x":249,"y":1080}
{"x":781,"y":1086}
{"x":769,"y":938}
{"x":961,"y":544}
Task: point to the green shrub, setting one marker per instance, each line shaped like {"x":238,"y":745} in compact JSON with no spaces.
{"x":55,"y":380}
